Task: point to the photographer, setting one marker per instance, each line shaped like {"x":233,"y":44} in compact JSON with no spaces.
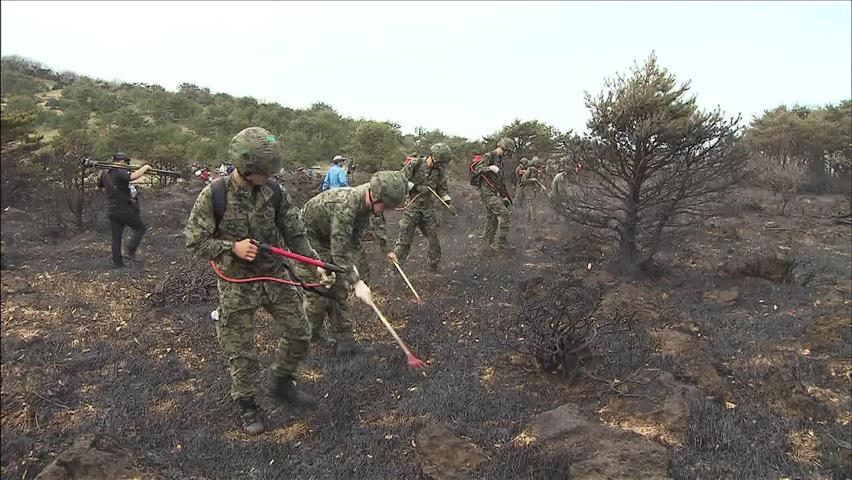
{"x":123,"y":207}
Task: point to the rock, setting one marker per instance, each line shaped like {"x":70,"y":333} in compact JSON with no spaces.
{"x":552,"y":424}
{"x":633,"y":297}
{"x":14,"y":214}
{"x":699,"y":367}
{"x":600,"y":452}
{"x":769,"y":267}
{"x":444,"y":455}
{"x":90,"y":457}
{"x":657,"y":407}
{"x":729,"y":296}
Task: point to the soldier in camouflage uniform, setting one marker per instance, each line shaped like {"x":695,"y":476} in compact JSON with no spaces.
{"x":494,"y":195}
{"x":378,"y":232}
{"x":423,"y":174}
{"x":528,"y":187}
{"x":335,"y":221}
{"x":560,"y":187}
{"x":251,"y":214}
{"x":521,"y":169}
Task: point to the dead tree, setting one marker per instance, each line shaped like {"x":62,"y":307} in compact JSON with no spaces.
{"x":556,"y":325}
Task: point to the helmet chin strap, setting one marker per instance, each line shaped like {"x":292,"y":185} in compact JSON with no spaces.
{"x":372,"y":202}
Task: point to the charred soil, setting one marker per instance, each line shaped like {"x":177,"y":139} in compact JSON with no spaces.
{"x":724,"y":372}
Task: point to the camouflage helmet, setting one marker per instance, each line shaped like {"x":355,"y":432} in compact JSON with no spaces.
{"x":389,"y":187}
{"x":535,"y":161}
{"x":441,"y":153}
{"x":255,"y":150}
{"x":507,"y":143}
{"x":525,"y":161}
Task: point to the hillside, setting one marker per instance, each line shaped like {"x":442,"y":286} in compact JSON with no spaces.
{"x":189,"y":125}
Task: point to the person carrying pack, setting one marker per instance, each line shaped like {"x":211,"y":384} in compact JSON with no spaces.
{"x":494,"y":194}
{"x":227,"y":228}
{"x":123,"y":207}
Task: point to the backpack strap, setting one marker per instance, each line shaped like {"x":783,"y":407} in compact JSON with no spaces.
{"x":277,"y":193}
{"x":220,"y":197}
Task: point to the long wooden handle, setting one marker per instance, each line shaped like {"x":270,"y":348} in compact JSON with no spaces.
{"x":389,"y":327}
{"x":438,"y":197}
{"x":399,"y":269}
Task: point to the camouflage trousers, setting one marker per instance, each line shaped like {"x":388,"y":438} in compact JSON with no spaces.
{"x":238,"y":304}
{"x":529,"y":198}
{"x":427,"y":222}
{"x":497,"y":216}
{"x":317,"y":308}
{"x":378,"y":232}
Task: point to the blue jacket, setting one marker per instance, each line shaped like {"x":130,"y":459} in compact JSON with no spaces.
{"x":335,"y":178}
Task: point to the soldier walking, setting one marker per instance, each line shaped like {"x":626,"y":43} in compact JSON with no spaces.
{"x":494,"y":194}
{"x":258,"y":208}
{"x":423,"y":175}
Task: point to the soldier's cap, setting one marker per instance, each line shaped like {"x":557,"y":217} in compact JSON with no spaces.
{"x":121,"y":157}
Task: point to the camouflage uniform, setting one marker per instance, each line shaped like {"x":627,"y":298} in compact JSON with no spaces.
{"x":378,"y":232}
{"x":559,"y":189}
{"x":529,"y":188}
{"x":335,"y":222}
{"x":420,"y":211}
{"x":497,"y":208}
{"x":519,"y":172}
{"x":250,"y":213}
{"x":560,"y":185}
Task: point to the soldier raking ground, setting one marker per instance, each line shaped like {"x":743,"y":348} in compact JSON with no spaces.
{"x":335,"y":221}
{"x":419,"y":211}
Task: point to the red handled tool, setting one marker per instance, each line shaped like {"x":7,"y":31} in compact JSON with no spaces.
{"x":299,"y":258}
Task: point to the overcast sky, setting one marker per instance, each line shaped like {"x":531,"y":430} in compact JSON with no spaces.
{"x":466,"y":68}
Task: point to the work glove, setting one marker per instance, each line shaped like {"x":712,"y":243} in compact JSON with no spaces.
{"x":327,"y":278}
{"x":446,"y":198}
{"x":493,"y":168}
{"x":410,"y":186}
{"x":362,"y":291}
{"x":352,"y":277}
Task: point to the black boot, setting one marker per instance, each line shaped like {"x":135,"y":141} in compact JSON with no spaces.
{"x":251,"y":415}
{"x":316,"y":336}
{"x":284,"y":389}
{"x":347,"y":346}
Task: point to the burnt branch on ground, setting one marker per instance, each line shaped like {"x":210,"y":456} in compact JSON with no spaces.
{"x":556,"y":326}
{"x":186,"y":282}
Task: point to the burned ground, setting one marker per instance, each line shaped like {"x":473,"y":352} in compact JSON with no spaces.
{"x":760,"y":365}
